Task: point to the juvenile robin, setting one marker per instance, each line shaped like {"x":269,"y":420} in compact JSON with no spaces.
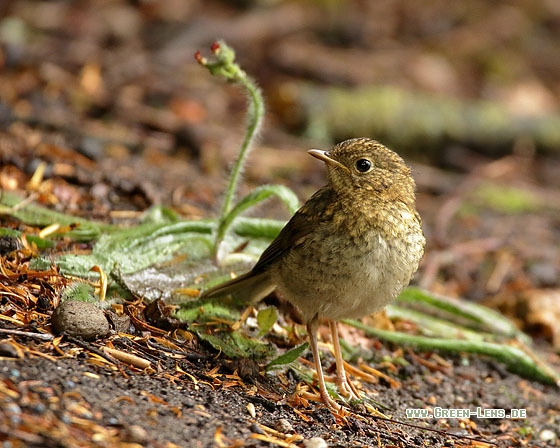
{"x":347,"y":252}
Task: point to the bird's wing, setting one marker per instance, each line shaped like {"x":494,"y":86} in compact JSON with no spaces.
{"x":295,"y":231}
{"x":257,"y":283}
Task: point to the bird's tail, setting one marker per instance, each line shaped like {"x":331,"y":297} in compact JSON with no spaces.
{"x":249,"y":287}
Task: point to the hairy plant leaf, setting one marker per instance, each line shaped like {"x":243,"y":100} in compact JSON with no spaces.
{"x":286,"y":195}
{"x":80,"y":291}
{"x":233,"y":344}
{"x":257,"y":227}
{"x":33,"y":214}
{"x":287,"y":357}
{"x":468,"y":314}
{"x":200,"y":311}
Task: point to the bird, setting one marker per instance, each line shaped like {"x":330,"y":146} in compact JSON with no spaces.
{"x":347,"y":252}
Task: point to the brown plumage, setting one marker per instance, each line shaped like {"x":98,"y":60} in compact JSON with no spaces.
{"x":348,"y":251}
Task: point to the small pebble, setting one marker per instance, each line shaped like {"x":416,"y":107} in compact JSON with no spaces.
{"x":315,"y":442}
{"x":284,"y":426}
{"x":38,"y":408}
{"x":547,"y":435}
{"x":7,"y":350}
{"x":66,"y":419}
{"x":80,"y":319}
{"x":251,"y":410}
{"x":257,"y":429}
{"x":137,"y":434}
{"x":14,"y":411}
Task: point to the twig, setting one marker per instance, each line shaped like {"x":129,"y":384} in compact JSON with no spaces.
{"x":83,"y":344}
{"x":40,"y":336}
{"x":128,"y":358}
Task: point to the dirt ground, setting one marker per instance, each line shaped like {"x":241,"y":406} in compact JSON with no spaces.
{"x":70,"y":402}
{"x":109,"y":96}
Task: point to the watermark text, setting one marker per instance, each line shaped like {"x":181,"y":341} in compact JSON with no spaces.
{"x":479,"y":412}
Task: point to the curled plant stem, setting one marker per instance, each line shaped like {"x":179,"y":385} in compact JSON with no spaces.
{"x":225,"y":66}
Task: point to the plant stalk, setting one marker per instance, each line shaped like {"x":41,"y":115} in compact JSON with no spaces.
{"x":225,"y":66}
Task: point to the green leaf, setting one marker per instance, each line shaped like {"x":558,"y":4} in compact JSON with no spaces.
{"x":285,"y":194}
{"x":33,"y":214}
{"x":266,"y":319}
{"x":80,"y":291}
{"x":520,"y":360}
{"x":258,"y":227}
{"x":259,"y":194}
{"x":234,"y":344}
{"x":288,"y":357}
{"x":136,"y":248}
{"x":468,"y":314}
{"x":160,"y":215}
{"x":207,"y":310}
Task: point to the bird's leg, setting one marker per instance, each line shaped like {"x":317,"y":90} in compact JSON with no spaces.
{"x":312,"y":327}
{"x":344,"y":384}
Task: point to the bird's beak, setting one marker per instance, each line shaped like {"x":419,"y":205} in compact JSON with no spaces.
{"x":324,"y":156}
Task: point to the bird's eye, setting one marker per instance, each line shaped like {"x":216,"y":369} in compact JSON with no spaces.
{"x":363,"y":165}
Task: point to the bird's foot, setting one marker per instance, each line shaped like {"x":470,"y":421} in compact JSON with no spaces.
{"x":330,"y":403}
{"x":347,"y":389}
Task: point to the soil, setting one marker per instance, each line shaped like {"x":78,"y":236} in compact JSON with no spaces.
{"x":72,"y":402}
{"x":108,"y":96}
